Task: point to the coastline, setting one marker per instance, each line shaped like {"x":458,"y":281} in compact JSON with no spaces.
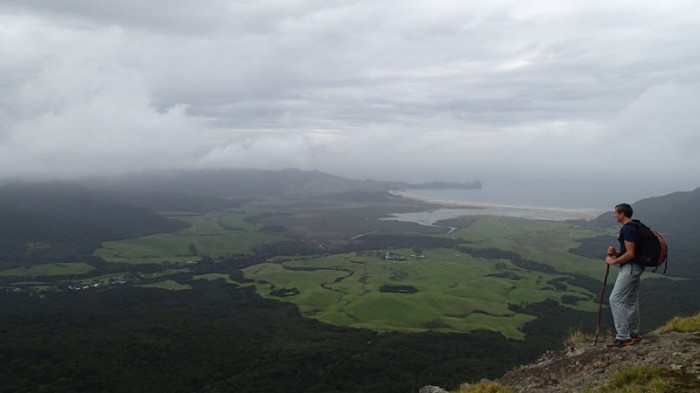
{"x":454,"y":209}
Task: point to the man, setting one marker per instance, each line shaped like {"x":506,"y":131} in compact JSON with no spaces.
{"x":624,"y":299}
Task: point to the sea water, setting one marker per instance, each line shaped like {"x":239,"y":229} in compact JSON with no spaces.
{"x":503,"y":201}
{"x":544,"y":195}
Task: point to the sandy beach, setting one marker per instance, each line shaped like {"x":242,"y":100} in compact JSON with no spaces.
{"x":454,"y":209}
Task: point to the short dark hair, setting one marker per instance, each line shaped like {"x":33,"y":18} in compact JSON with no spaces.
{"x":625,"y":209}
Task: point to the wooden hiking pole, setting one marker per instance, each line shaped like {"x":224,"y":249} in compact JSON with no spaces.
{"x":600,"y":305}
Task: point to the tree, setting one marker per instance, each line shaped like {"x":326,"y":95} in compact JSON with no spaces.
{"x":193,"y":249}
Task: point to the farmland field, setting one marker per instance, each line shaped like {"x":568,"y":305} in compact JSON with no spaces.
{"x":216,"y":234}
{"x":451,"y":291}
{"x":501,"y":266}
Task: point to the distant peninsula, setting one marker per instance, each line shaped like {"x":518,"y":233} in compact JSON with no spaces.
{"x":446,"y":185}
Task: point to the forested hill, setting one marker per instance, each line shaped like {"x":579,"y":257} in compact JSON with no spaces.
{"x":289,"y":183}
{"x":676,"y":217}
{"x":58,"y":221}
{"x":676,"y":212}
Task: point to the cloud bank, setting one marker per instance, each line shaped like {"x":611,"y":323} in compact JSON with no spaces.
{"x":403,"y":90}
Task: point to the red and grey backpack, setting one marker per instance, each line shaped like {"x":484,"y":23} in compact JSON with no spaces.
{"x":651,"y":249}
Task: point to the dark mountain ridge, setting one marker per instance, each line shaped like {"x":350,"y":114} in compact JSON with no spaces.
{"x":241,"y":183}
{"x":80,"y":215}
{"x":675,"y":216}
{"x":673,"y":211}
{"x":56,"y":222}
{"x":61,"y":221}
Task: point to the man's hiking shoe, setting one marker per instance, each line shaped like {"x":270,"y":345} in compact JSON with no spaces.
{"x":617,"y":343}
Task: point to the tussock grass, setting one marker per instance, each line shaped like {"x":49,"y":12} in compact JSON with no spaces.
{"x":682,"y":324}
{"x":485,"y":387}
{"x":576,"y":336}
{"x":643,"y":378}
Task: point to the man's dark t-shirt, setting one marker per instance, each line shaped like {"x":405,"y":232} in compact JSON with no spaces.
{"x":628,"y":232}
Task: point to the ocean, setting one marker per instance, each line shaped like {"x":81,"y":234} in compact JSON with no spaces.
{"x":562,"y":196}
{"x":517,"y":203}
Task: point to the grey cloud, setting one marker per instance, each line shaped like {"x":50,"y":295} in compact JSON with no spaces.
{"x":431,"y":89}
{"x":186,"y":16}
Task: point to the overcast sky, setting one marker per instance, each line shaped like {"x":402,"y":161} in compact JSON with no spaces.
{"x":558,"y":92}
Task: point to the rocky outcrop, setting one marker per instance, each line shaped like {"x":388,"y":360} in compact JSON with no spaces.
{"x":584,"y":366}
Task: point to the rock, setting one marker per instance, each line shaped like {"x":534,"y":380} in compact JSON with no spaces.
{"x":588,"y":366}
{"x":432,"y":389}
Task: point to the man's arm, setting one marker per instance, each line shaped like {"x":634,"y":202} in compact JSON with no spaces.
{"x":624,"y":258}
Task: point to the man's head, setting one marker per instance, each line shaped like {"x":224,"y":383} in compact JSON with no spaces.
{"x":622,"y":211}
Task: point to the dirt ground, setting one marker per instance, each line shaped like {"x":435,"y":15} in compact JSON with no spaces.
{"x":584,"y":366}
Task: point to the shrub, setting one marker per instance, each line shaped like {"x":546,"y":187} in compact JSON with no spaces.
{"x":682,"y":324}
{"x":485,"y":387}
{"x":576,"y":336}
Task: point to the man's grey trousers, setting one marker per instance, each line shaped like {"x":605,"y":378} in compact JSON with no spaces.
{"x":624,"y":300}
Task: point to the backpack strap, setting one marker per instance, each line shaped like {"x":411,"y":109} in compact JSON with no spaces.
{"x":637,"y":225}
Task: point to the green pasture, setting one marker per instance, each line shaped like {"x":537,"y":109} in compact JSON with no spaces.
{"x":167,"y":284}
{"x":217,"y":233}
{"x":49,"y":269}
{"x":214,"y":277}
{"x":545,"y":242}
{"x":455,"y":292}
{"x":324,"y":224}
